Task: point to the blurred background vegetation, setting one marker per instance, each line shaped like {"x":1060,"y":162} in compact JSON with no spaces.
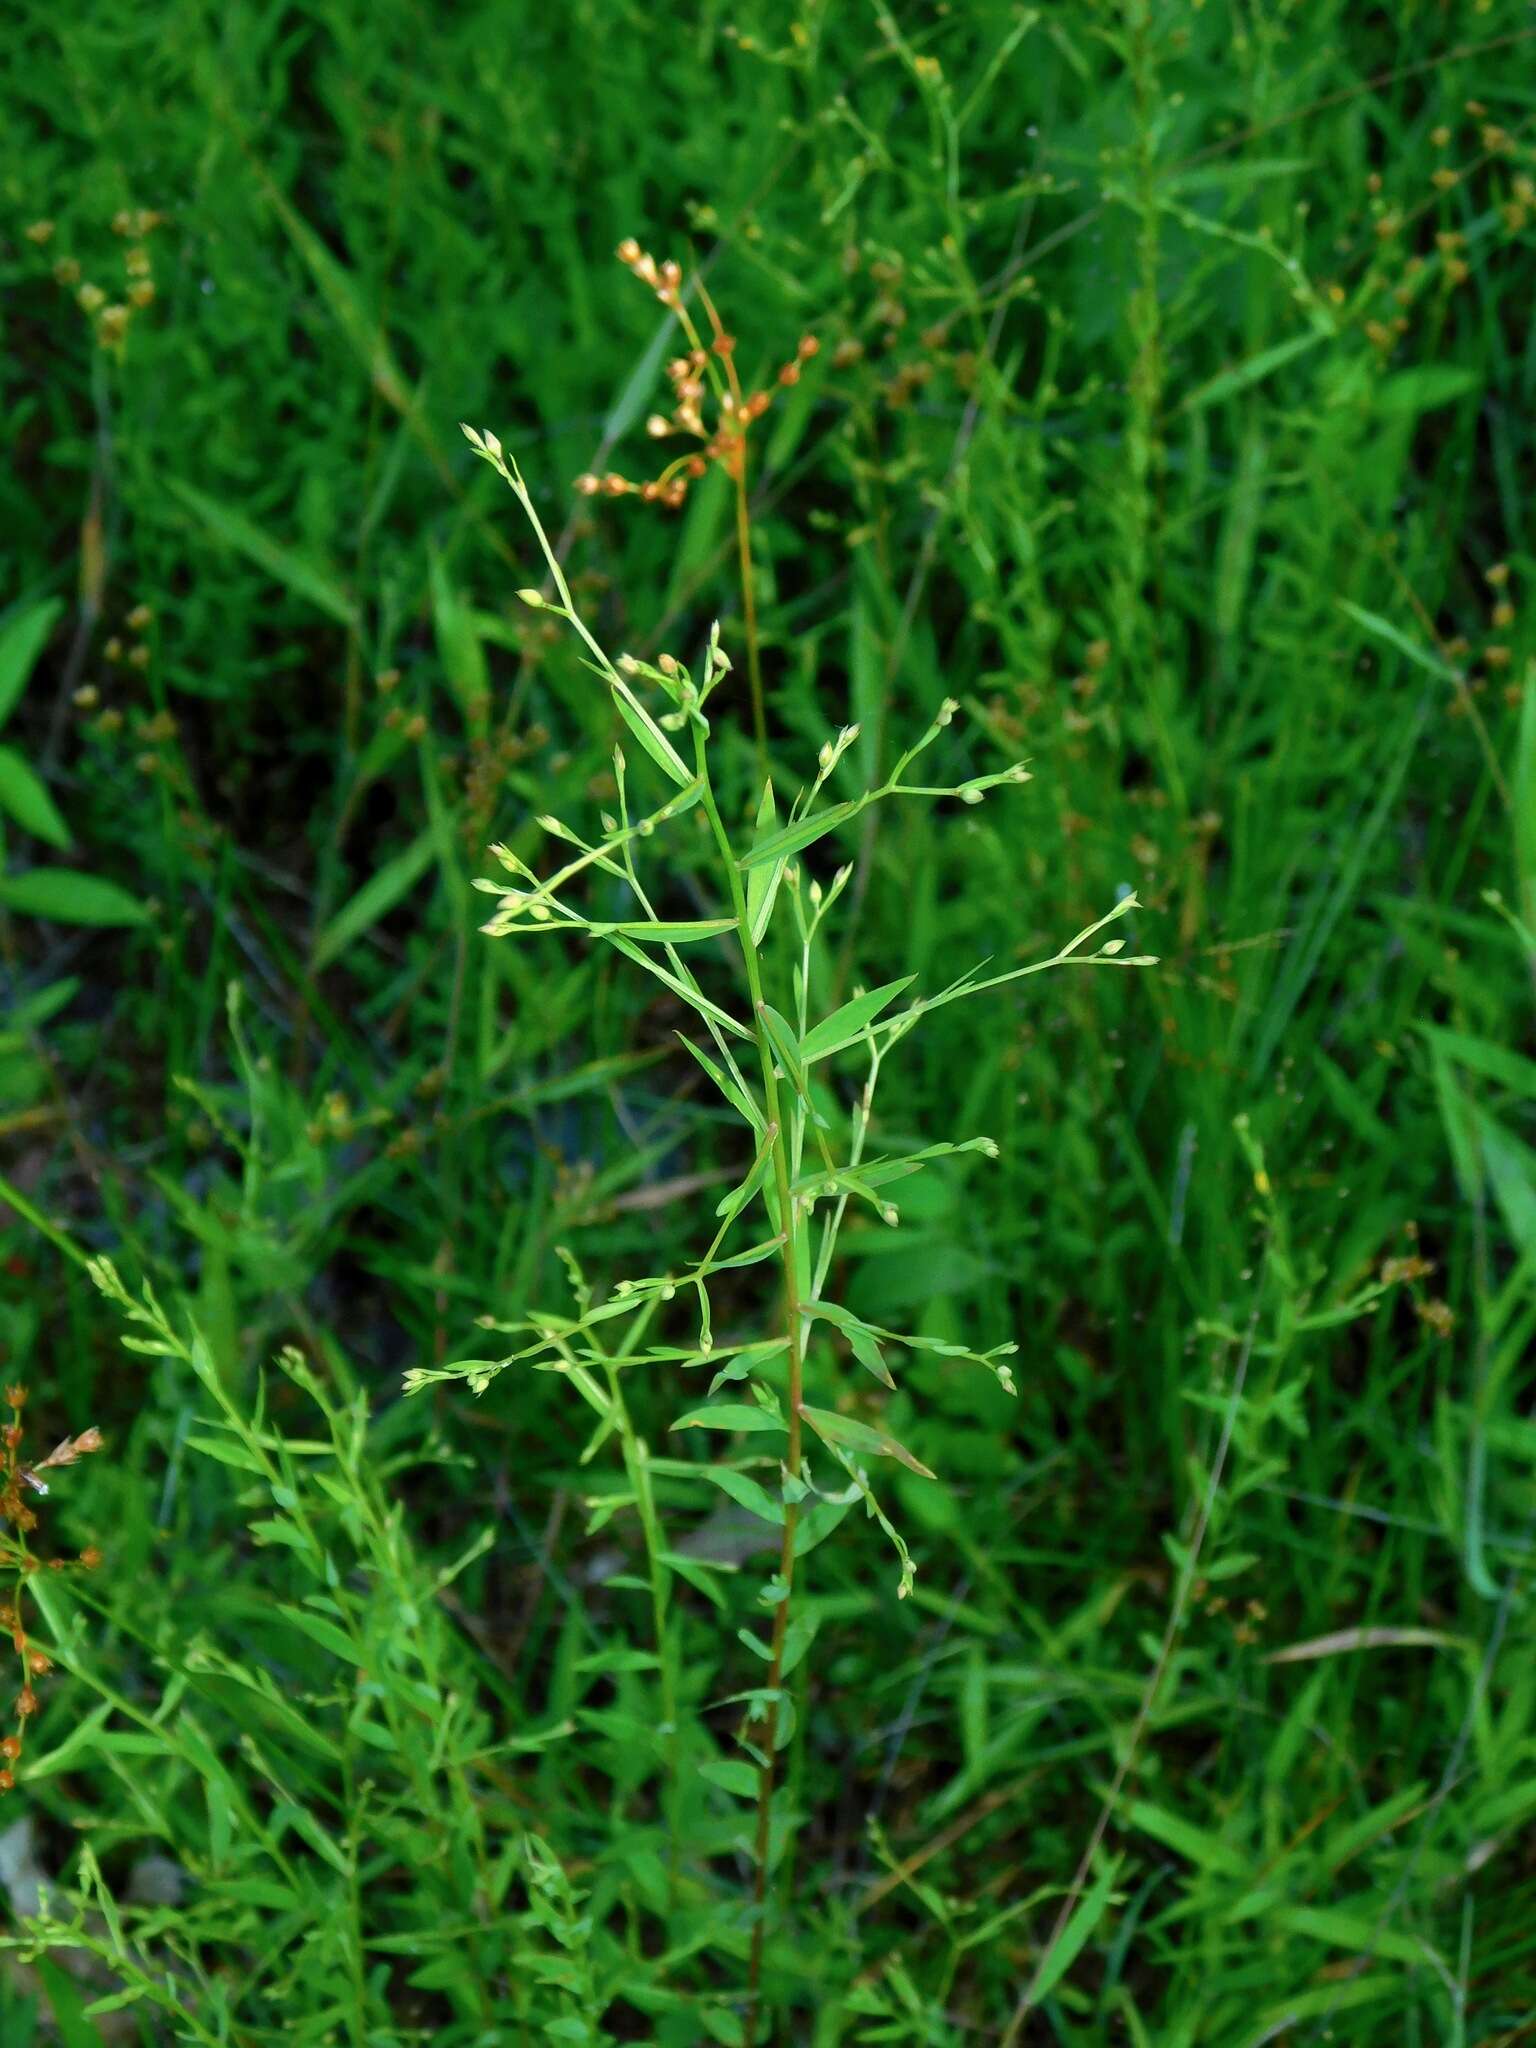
{"x":1173,"y":411}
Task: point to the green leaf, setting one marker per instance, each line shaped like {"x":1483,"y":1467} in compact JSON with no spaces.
{"x":732,"y":1415}
{"x":70,"y":898}
{"x":686,"y":932}
{"x":338,"y":287}
{"x":306,"y":579}
{"x":735,"y":1199}
{"x":325,"y":1633}
{"x":25,"y":796}
{"x":723,"y":2025}
{"x":67,"y":2004}
{"x":1360,"y":1933}
{"x":763,"y":881}
{"x":693,"y":996}
{"x":866,"y":1349}
{"x":847,"y":1024}
{"x":649,"y":733}
{"x":1222,"y":177}
{"x":852,"y":1435}
{"x":1511,"y":1069}
{"x":1257,"y":367}
{"x":737,"y":1097}
{"x":733,"y":1776}
{"x":1064,"y":1952}
{"x":226,"y":1451}
{"x":459,"y":649}
{"x":745,"y":1492}
{"x":804,"y":833}
{"x":781,"y":1036}
{"x":114,"y":2001}
{"x":1425,"y":388}
{"x":1383,"y":629}
{"x":862,"y":1340}
{"x":22,"y":640}
{"x":755,"y":1254}
{"x":1206,"y":1851}
{"x":377,"y":897}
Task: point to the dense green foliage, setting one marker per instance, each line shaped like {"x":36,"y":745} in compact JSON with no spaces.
{"x":1172,"y":412}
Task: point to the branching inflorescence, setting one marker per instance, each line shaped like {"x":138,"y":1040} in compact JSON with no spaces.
{"x":713,"y":415}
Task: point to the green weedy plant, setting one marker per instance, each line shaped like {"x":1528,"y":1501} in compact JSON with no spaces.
{"x":809,"y":1157}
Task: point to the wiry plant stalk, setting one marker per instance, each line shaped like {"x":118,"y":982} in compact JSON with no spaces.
{"x":749,"y":615}
{"x":789,"y":1225}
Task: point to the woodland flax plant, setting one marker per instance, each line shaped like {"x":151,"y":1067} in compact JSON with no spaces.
{"x":808,"y":1155}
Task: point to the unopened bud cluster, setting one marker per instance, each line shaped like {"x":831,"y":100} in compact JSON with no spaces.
{"x":20,"y":1484}
{"x":709,"y":406}
{"x":110,"y":314}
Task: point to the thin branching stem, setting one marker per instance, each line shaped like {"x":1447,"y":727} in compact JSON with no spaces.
{"x":789,"y":1224}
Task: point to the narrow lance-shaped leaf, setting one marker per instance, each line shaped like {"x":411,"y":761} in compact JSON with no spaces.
{"x":376,"y":898}
{"x":24,"y":794}
{"x":285,"y":565}
{"x":851,"y":1435}
{"x":805,"y":832}
{"x":744,"y":1491}
{"x":786,"y":1046}
{"x":22,"y":640}
{"x":862,"y":1340}
{"x":649,"y":733}
{"x":686,"y":932}
{"x":736,"y":1095}
{"x":763,"y":881}
{"x":729,"y":1415}
{"x":688,"y":991}
{"x":847,"y":1024}
{"x":70,"y":898}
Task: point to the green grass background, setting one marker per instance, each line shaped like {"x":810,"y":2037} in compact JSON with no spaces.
{"x":1175,"y":416}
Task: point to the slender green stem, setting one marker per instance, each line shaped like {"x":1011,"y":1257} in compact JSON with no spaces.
{"x":783,"y":1173}
{"x":749,"y":612}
